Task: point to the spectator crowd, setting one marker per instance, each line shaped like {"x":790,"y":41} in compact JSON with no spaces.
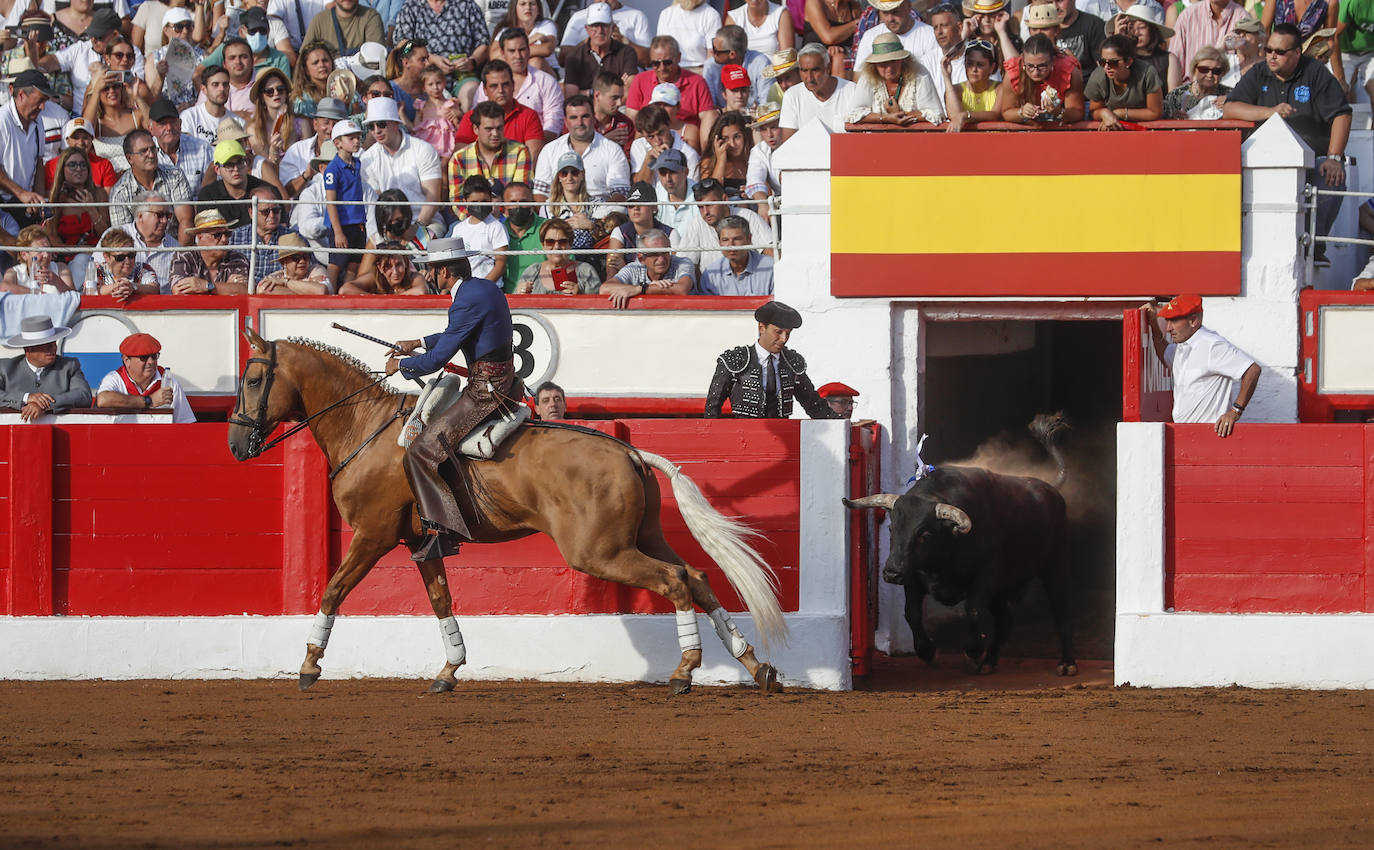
{"x":304,"y":147}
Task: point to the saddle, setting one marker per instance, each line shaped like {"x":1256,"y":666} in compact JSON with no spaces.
{"x":439,"y":394}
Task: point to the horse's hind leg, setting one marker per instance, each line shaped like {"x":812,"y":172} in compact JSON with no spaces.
{"x":363,"y":554}
{"x":436,"y":585}
{"x":651,"y":543}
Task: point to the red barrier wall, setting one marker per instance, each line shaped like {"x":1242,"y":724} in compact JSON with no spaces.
{"x":153,"y":520}
{"x":1274,"y":518}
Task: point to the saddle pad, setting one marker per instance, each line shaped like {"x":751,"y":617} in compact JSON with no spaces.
{"x":482,"y":441}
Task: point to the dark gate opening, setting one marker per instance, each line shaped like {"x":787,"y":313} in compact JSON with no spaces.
{"x":983,"y":383}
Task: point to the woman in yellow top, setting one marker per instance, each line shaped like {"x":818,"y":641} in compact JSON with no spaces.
{"x":975,"y":100}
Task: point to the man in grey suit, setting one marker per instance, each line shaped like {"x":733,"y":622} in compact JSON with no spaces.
{"x":41,"y":381}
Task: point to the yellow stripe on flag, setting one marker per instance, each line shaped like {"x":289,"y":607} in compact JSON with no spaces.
{"x":1035,"y":214}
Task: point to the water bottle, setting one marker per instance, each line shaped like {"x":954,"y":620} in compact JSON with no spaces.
{"x":90,"y":287}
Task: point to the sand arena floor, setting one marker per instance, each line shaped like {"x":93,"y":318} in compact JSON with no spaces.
{"x":920,"y":756}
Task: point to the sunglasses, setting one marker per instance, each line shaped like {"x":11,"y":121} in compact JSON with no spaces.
{"x":274,"y":91}
{"x":1279,"y":51}
{"x":260,"y":31}
{"x":120,"y":54}
{"x":379,"y":93}
{"x":1208,"y":69}
{"x":236,"y":163}
{"x":1111,"y":63}
{"x":184,"y":25}
{"x":219,"y":236}
{"x":119,"y":258}
{"x":412,"y":45}
{"x":269,"y":210}
{"x":981,"y":43}
{"x":77,"y":163}
{"x":662,"y":63}
{"x":144,"y":357}
{"x":945,"y":9}
{"x":557,"y":243}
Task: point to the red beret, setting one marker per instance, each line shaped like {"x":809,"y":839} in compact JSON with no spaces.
{"x":138,"y":345}
{"x":835,"y":388}
{"x":1182,"y":305}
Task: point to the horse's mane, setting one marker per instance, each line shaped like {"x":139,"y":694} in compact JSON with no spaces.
{"x":347,"y":359}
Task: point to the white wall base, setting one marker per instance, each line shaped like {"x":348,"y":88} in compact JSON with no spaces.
{"x":1316,"y":651}
{"x":582,"y":648}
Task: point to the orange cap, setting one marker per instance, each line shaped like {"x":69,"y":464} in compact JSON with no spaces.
{"x":1182,"y":305}
{"x":139,"y":345}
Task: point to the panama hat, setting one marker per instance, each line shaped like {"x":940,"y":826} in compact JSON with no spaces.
{"x":341,"y":85}
{"x":369,"y":61}
{"x":208,"y":220}
{"x":444,"y":250}
{"x":887,"y":47}
{"x":229,"y":129}
{"x":36,"y":330}
{"x":884,"y":5}
{"x":783,"y":61}
{"x":766,"y":113}
{"x":1149,"y":14}
{"x":264,"y":75}
{"x":290,"y":244}
{"x":984,"y":7}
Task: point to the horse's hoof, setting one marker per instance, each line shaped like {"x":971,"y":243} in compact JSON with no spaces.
{"x":442,"y":686}
{"x":767,"y":678}
{"x":678,"y":687}
{"x":308,"y":679}
{"x":1066,"y":669}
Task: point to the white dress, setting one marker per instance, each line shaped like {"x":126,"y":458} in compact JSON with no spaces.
{"x":693,"y":31}
{"x":21,"y":275}
{"x":763,"y":38}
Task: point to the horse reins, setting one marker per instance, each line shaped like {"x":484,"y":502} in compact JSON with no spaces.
{"x":258,"y":425}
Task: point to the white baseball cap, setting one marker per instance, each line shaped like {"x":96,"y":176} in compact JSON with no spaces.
{"x":381,"y":109}
{"x":599,"y":13}
{"x":77,"y":123}
{"x":666,"y":93}
{"x":176,"y":15}
{"x":343,"y":128}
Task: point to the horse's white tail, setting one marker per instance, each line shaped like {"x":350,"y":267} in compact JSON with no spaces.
{"x":725,"y":539}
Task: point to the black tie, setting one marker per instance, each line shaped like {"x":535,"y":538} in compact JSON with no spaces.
{"x":771,"y":408}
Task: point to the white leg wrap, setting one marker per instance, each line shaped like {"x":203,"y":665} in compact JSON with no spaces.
{"x":728,"y":632}
{"x":319,"y":631}
{"x":453,"y":641}
{"x":687,"y":635}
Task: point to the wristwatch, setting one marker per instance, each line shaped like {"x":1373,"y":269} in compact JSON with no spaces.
{"x":147,"y":402}
{"x":209,"y":287}
{"x":1339,"y":157}
{"x":643,"y":288}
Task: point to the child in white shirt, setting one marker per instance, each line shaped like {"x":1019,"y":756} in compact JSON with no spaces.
{"x":480,"y":230}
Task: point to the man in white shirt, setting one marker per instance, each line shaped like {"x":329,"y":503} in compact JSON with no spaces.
{"x":697,"y":230}
{"x":140,"y":384}
{"x":401,"y":161}
{"x":76,"y":59}
{"x":1205,"y":366}
{"x":202,"y":120}
{"x":821,"y":96}
{"x":22,"y":177}
{"x":916,"y":35}
{"x":607,"y":169}
{"x":631,"y":26}
{"x":149,"y":229}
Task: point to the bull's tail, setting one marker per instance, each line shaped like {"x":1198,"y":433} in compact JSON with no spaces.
{"x":1049,"y":429}
{"x":726,"y":540}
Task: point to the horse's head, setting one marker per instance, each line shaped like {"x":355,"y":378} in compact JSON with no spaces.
{"x":264,"y":399}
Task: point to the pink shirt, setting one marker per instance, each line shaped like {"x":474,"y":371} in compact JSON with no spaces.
{"x":541,"y":92}
{"x":696,"y":97}
{"x":1197,"y":28}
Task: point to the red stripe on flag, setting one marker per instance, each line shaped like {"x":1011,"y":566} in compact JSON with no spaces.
{"x":1049,"y":153}
{"x":1084,"y":274}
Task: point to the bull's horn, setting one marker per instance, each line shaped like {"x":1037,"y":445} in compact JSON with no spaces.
{"x":878,"y":500}
{"x":962,"y":524}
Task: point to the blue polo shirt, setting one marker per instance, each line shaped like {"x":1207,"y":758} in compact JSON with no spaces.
{"x":347,"y":181}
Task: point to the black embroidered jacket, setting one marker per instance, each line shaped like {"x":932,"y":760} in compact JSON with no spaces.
{"x":739,"y":375}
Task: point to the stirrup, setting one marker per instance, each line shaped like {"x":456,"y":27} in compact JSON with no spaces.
{"x":438,"y":542}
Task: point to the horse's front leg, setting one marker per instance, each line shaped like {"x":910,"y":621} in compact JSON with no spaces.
{"x":455,"y":653}
{"x":363,"y":554}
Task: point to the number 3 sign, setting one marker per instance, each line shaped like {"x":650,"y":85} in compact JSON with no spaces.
{"x":536,"y":349}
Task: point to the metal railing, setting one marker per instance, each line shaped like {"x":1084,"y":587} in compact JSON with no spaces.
{"x":254,"y":244}
{"x":1309,"y":239}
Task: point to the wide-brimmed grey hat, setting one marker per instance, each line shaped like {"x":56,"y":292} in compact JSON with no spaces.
{"x":36,"y":330}
{"x":441,"y":251}
{"x":331,"y":107}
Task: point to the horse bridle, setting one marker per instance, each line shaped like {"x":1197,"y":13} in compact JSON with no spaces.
{"x":257,"y":434}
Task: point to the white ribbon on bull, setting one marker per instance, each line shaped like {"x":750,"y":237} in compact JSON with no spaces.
{"x":922,"y":468}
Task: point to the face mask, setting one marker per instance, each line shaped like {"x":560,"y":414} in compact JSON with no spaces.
{"x":397,"y":226}
{"x":521,"y":216}
{"x":479,"y":211}
{"x":257,"y":41}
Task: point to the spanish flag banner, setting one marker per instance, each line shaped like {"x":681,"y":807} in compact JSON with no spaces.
{"x":1018,"y":214}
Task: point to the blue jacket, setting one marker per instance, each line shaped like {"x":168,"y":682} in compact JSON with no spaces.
{"x":478,"y":324}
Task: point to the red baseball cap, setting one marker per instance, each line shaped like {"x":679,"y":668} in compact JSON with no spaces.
{"x":835,"y":388}
{"x":139,"y":345}
{"x":1182,"y":305}
{"x":734,"y":77}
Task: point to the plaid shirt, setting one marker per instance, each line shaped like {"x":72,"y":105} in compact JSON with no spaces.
{"x":266,"y":263}
{"x":511,"y":165}
{"x":193,"y":158}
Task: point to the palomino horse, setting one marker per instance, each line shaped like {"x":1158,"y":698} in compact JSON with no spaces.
{"x":596,"y":496}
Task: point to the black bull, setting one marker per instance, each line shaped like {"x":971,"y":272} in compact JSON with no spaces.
{"x":963,"y":534}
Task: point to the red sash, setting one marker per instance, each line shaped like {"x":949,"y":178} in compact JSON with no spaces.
{"x":132,"y":389}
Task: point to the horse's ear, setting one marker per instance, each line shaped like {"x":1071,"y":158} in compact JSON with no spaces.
{"x":255,"y":340}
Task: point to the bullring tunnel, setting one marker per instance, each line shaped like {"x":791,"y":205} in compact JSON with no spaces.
{"x":983,"y":381}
